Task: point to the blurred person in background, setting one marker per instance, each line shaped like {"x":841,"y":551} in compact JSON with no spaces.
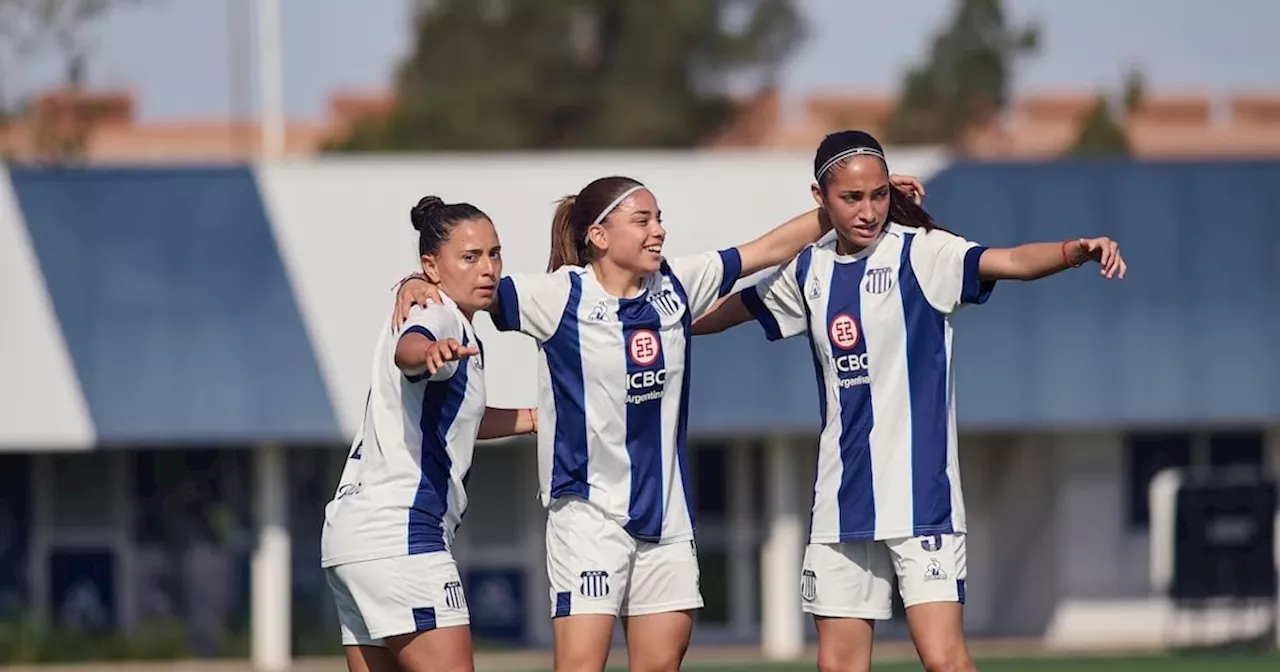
{"x":875,"y":301}
{"x":612,"y":317}
{"x":390,"y":526}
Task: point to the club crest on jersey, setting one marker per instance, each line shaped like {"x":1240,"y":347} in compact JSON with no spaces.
{"x":878,"y":280}
{"x":844,"y":331}
{"x":644,"y":347}
{"x":665,"y":302}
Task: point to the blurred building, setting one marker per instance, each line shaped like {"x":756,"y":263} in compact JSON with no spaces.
{"x":102,"y":126}
{"x":165,"y":327}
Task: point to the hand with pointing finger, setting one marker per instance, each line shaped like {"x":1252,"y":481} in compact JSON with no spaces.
{"x":448,"y":350}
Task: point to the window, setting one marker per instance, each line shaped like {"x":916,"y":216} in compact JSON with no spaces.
{"x":710,"y":480}
{"x":1147,"y":454}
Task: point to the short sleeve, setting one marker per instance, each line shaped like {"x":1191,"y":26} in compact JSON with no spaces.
{"x":776,"y":302}
{"x":532,"y":304}
{"x":707,"y":277}
{"x":947,"y":267}
{"x":437,"y":323}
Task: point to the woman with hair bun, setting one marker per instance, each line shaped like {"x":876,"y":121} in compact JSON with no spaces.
{"x":388,"y":531}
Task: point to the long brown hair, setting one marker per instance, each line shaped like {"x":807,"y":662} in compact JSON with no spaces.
{"x":575,"y":214}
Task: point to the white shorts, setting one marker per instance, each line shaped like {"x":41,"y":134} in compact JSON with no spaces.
{"x":596,"y":567}
{"x":855,"y":579}
{"x":397,"y":596}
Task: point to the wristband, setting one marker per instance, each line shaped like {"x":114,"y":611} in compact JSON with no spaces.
{"x":1067,"y":260}
{"x":407,"y":278}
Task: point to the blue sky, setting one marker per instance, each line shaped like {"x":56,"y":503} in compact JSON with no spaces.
{"x":176,"y":55}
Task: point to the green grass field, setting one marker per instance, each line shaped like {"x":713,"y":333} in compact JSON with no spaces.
{"x":1225,"y":662}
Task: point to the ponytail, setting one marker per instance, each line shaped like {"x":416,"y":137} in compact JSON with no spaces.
{"x":575,"y":215}
{"x":566,"y":249}
{"x":904,"y":210}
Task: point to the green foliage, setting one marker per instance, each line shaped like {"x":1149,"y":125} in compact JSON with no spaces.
{"x":1101,"y":133}
{"x":24,"y":641}
{"x":965,"y":81}
{"x":501,"y":74}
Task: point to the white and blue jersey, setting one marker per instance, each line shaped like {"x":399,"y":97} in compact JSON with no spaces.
{"x":880,"y":330}
{"x":403,"y":489}
{"x":613,"y":400}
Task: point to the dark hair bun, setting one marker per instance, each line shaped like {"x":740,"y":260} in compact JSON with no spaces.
{"x":422,"y":211}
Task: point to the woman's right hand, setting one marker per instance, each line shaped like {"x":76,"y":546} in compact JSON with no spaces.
{"x":415,"y":290}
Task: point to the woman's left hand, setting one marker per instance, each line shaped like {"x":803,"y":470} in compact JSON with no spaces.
{"x":908,"y":185}
{"x":1107,"y":253}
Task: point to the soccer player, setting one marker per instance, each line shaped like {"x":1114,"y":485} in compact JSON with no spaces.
{"x":388,"y":531}
{"x":612,"y":318}
{"x":875,"y":302}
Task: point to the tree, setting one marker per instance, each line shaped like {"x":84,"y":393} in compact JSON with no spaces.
{"x":965,"y":82}
{"x":1101,"y":133}
{"x":30,"y":27}
{"x":507,"y":74}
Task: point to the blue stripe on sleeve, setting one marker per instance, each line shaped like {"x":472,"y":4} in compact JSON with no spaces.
{"x":973,"y":289}
{"x":755,"y":306}
{"x":731,"y":263}
{"x":507,"y":316}
{"x":416,"y":329}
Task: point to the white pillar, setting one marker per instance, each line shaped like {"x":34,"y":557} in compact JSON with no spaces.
{"x":782,"y":623}
{"x":270,"y":79}
{"x":270,"y":596}
{"x":743,"y":581}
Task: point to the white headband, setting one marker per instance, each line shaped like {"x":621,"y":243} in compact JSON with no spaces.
{"x":846,"y":154}
{"x":622,"y":197}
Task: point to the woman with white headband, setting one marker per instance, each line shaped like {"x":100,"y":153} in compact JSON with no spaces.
{"x":612,"y":317}
{"x":875,"y":301}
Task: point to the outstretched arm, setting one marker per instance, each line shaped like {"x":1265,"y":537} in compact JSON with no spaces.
{"x":1033,"y":261}
{"x":726,"y":313}
{"x":501,"y":422}
{"x":417,"y":353}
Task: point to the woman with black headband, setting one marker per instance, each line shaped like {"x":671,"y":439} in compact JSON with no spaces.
{"x":612,"y":317}
{"x":875,"y":301}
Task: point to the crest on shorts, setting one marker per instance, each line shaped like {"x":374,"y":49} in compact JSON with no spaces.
{"x":808,"y":585}
{"x":595,"y":583}
{"x":932,"y":544}
{"x":453,"y":595}
{"x":934,"y":571}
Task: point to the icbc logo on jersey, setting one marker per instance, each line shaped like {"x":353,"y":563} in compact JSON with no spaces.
{"x":644,"y":347}
{"x":844,"y":332}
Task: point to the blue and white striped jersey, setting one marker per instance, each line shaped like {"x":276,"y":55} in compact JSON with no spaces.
{"x":403,"y":489}
{"x":880,"y":329}
{"x":613,"y":400}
